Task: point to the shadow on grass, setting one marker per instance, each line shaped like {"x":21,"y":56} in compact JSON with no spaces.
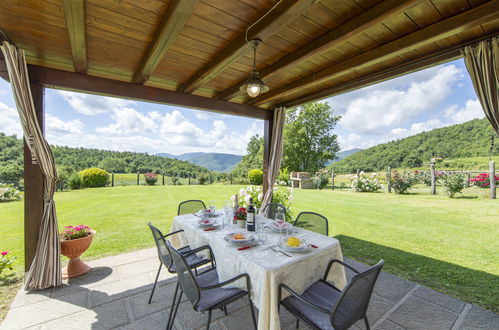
{"x":470,"y":285}
{"x":466,"y":197}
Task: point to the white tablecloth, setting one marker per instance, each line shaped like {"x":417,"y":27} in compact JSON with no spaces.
{"x":266,"y":268}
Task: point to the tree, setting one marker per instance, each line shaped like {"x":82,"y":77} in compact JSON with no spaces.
{"x":309,"y":142}
{"x":253,"y":158}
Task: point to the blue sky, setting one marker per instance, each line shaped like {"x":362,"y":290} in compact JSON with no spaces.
{"x":436,"y":97}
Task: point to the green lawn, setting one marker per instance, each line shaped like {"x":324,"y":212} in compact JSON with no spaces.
{"x":447,"y":244}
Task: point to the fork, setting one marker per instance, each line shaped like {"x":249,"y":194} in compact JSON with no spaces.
{"x":276,"y":250}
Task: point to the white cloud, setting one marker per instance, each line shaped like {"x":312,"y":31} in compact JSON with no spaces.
{"x":382,"y":109}
{"x":57,"y":125}
{"x":130,"y":121}
{"x":9,"y":121}
{"x":91,"y":105}
{"x":203,"y":115}
{"x":457,"y":115}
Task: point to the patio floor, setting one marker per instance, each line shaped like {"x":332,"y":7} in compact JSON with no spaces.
{"x":115,"y":293}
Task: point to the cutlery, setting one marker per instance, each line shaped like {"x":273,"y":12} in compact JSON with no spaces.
{"x":247,"y":247}
{"x":276,"y":250}
{"x":197,"y":215}
{"x":314,"y":246}
{"x":208,"y":229}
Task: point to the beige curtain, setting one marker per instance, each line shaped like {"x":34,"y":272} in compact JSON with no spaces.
{"x":275,"y":158}
{"x":45,"y":270}
{"x":482,"y":62}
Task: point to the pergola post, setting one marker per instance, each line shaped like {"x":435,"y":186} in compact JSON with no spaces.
{"x":33,"y":186}
{"x":268,"y":124}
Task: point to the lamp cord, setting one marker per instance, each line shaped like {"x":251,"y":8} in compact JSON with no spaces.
{"x":268,"y":11}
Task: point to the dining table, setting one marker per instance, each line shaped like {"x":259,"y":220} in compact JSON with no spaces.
{"x":266,"y":264}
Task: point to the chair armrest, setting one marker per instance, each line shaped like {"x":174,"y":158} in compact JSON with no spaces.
{"x":341,"y":263}
{"x":219,"y":285}
{"x":172,"y":233}
{"x":199,"y":249}
{"x":300,"y":298}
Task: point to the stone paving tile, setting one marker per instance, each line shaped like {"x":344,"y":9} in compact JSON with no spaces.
{"x":161,"y":300}
{"x":106,"y":316}
{"x":117,"y":290}
{"x":96,"y":277}
{"x":418,"y":313}
{"x":139,"y":267}
{"x":479,"y":318}
{"x":387,"y":325}
{"x":392,"y":287}
{"x":122,"y":259}
{"x":440,"y":299}
{"x":187,"y":318}
{"x":30,"y":297}
{"x":44,"y":311}
{"x":240,"y":319}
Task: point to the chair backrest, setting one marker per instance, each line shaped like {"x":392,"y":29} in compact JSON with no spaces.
{"x":313,"y":221}
{"x":190,"y":206}
{"x":163,"y":252}
{"x":354,"y":300}
{"x":271,"y":209}
{"x":185,"y":277}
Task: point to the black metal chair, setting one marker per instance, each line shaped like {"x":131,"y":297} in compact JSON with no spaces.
{"x":190,"y":206}
{"x":270,"y":209}
{"x":166,"y":259}
{"x":204,"y":291}
{"x":312,"y":221}
{"x":324,"y":306}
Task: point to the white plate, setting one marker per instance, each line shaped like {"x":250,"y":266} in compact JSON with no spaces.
{"x":207,"y":222}
{"x":249,"y":238}
{"x":304,"y":247}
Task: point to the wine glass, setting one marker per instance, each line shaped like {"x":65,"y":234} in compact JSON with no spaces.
{"x":280,"y":219}
{"x":212,"y":206}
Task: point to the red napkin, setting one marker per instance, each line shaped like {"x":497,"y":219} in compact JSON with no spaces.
{"x":244,"y":248}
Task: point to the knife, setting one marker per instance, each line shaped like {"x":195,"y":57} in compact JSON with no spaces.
{"x":208,"y":229}
{"x":247,"y":247}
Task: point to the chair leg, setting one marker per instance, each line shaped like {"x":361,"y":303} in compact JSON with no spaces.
{"x":225,"y":311}
{"x":173,"y":305}
{"x":297,"y":323}
{"x":209,"y":320}
{"x":366,"y":322}
{"x":155,"y":282}
{"x":170,"y":326}
{"x":252,"y":312}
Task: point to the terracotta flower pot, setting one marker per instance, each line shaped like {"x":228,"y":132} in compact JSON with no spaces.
{"x":73,"y":249}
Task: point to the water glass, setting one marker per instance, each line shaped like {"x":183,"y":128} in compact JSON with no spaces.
{"x":212,"y":205}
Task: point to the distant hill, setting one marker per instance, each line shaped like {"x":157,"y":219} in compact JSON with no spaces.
{"x":212,"y":161}
{"x":470,"y":139}
{"x":343,"y":154}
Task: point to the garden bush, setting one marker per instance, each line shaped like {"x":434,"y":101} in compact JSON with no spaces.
{"x":401,"y":182}
{"x":202,"y":178}
{"x":6,"y":262}
{"x":321,"y":180}
{"x":11,"y":173}
{"x":482,"y":180}
{"x":9,"y":192}
{"x":362,"y":183}
{"x":94,"y":177}
{"x":74,"y":181}
{"x":151,"y":178}
{"x":283,"y":177}
{"x":175,"y":180}
{"x":454,"y":184}
{"x":255,"y":176}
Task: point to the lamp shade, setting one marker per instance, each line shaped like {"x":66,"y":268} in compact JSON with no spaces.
{"x":254,"y":86}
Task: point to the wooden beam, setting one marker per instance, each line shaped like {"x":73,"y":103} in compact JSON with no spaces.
{"x":74,"y":14}
{"x":281,"y":14}
{"x":336,"y":36}
{"x":53,"y":78}
{"x":440,"y":30}
{"x":403,"y":69}
{"x":33,"y":187}
{"x":174,"y":19}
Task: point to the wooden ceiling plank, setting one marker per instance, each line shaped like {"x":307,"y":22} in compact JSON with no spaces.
{"x":74,"y":14}
{"x":282,"y":13}
{"x":349,"y":29}
{"x":177,"y":14}
{"x":434,"y":32}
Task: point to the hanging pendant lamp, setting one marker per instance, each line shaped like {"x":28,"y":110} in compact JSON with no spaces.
{"x":254,"y":86}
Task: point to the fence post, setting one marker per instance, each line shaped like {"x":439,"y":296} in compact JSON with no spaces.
{"x":211,"y":179}
{"x":433,"y":179}
{"x":112,"y":179}
{"x":468,"y":178}
{"x":492,"y":178}
{"x":138,"y":178}
{"x":389,"y":178}
{"x":332,"y":179}
{"x":163,"y":178}
{"x":189,"y":178}
{"x":230,"y":178}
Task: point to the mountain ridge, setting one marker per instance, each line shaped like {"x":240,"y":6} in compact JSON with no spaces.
{"x":222,"y":162}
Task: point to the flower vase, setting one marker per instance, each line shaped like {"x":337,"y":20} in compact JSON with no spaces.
{"x":241,"y":223}
{"x":73,"y":249}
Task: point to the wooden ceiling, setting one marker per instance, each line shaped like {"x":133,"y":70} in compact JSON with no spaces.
{"x":311,"y":49}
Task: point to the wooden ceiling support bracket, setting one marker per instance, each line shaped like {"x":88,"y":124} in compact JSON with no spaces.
{"x":74,"y":14}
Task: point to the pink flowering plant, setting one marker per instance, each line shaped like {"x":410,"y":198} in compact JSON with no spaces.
{"x":6,"y":261}
{"x":75,"y":232}
{"x":482,"y":180}
{"x":151,"y":178}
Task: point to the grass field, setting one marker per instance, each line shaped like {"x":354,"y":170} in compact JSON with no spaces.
{"x":447,"y":244}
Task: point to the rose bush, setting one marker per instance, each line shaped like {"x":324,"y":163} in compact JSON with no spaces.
{"x":151,"y":178}
{"x":9,"y":193}
{"x":6,"y":262}
{"x":482,"y":180}
{"x":363,"y":183}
